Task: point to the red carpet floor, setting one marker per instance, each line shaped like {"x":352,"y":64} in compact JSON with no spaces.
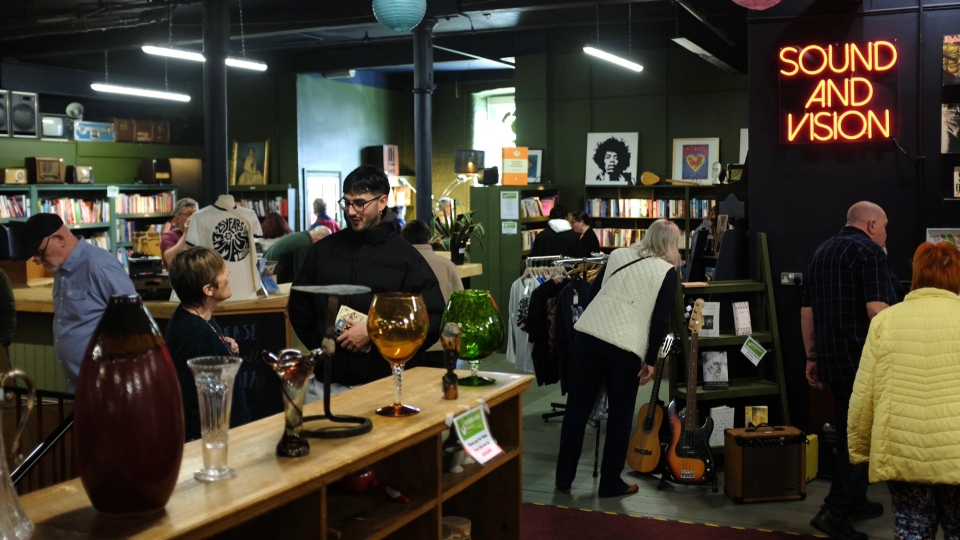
{"x":541,"y":522}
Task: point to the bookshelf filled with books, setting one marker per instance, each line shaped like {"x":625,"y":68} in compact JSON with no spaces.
{"x":105,"y":215}
{"x":621,"y":214}
{"x":263,"y":199}
{"x":745,"y":318}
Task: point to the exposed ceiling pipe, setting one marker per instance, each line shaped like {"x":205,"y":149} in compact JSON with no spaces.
{"x":702,"y":17}
{"x":90,"y":20}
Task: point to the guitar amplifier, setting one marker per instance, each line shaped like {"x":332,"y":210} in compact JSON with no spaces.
{"x":767,"y":463}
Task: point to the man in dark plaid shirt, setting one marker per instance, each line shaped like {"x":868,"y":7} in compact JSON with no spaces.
{"x":848,"y":283}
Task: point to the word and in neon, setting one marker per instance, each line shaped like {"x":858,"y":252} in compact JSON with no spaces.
{"x":838,"y":92}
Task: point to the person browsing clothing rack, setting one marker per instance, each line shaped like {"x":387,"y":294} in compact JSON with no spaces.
{"x":588,"y":237}
{"x":616,"y":340}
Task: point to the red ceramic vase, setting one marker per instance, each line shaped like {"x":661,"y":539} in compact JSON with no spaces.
{"x":128,"y":414}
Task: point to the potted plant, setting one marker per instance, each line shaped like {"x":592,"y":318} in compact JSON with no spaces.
{"x":454,"y":233}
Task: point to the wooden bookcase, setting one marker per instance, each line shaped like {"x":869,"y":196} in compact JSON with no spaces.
{"x":749,"y":385}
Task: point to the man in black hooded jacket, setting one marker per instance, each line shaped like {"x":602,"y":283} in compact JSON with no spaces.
{"x":371,"y":253}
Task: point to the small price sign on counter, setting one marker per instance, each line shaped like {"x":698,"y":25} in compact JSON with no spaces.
{"x":474,"y":433}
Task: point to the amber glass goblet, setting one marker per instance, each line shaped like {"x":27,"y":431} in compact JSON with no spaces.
{"x":397,"y":324}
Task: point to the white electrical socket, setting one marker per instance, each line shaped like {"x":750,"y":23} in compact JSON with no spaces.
{"x":791,"y":279}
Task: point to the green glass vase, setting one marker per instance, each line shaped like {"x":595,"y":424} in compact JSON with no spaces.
{"x":481,"y":329}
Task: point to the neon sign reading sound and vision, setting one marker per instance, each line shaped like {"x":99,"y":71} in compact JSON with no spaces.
{"x":838,"y":93}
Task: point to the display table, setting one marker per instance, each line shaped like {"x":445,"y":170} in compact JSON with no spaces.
{"x":275,"y":497}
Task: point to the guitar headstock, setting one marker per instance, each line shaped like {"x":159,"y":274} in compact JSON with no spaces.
{"x":696,"y":317}
{"x":670,"y":346}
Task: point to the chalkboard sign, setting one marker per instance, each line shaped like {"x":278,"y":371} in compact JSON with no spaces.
{"x":255,"y":333}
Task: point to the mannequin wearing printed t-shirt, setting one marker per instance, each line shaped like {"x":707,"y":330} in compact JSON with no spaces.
{"x":225,"y":228}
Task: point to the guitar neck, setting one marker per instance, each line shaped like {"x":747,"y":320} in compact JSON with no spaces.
{"x":690,"y":422}
{"x":655,"y":392}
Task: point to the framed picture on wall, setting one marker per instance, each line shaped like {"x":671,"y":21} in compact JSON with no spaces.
{"x":249,"y":163}
{"x":535,"y":161}
{"x":950,"y":128}
{"x":612,"y":159}
{"x":693,"y":159}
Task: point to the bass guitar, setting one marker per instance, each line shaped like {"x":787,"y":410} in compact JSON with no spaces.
{"x":644,"y":450}
{"x":689,"y":460}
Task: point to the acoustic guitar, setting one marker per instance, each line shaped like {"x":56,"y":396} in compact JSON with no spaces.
{"x":689,"y":460}
{"x":644,"y":450}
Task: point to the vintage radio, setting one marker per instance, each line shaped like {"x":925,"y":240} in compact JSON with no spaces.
{"x":155,"y":171}
{"x":384,"y":157}
{"x":145,"y":266}
{"x":80,"y":174}
{"x":15,"y":176}
{"x":123,"y":130}
{"x":143,"y":130}
{"x":43,"y":170}
{"x":766,"y":463}
{"x":94,"y":131}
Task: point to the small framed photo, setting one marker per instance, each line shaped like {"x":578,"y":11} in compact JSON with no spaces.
{"x":715,"y":372}
{"x":535,"y":166}
{"x":693,"y":159}
{"x":249,"y":163}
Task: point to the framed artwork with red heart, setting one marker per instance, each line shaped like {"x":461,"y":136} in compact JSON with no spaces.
{"x":697,"y":160}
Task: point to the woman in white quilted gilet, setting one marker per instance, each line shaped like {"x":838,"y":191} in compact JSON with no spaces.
{"x":616,"y":343}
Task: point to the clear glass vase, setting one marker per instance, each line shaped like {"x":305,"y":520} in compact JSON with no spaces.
{"x":14,"y":523}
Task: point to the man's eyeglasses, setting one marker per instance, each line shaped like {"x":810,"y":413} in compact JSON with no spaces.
{"x":358,"y":205}
{"x":40,"y":252}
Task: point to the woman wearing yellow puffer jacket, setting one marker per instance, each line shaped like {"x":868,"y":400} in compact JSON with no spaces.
{"x":905,"y":409}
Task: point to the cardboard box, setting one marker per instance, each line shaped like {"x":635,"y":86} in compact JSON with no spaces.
{"x":813,"y":461}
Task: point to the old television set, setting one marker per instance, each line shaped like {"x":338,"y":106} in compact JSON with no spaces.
{"x":56,"y":127}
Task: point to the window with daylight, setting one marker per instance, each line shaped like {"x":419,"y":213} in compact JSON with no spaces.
{"x":494,"y":124}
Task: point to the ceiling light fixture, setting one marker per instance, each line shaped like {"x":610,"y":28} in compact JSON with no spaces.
{"x":618,"y":60}
{"x":106,"y":87}
{"x":243,"y":63}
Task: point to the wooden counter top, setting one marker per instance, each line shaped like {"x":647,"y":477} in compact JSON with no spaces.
{"x":265,"y":482}
{"x":469,"y":270}
{"x":40,"y":300}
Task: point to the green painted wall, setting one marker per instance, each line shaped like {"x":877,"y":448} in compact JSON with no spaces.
{"x":335,"y":120}
{"x":561,"y":98}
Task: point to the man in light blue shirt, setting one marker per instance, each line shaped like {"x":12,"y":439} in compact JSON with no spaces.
{"x":84,"y":278}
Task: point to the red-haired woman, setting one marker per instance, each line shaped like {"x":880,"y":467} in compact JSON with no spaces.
{"x":273,"y":226}
{"x":905,"y":409}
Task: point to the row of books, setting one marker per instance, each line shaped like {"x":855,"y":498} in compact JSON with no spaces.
{"x":158,"y":203}
{"x":99,"y":240}
{"x":535,"y":207}
{"x":636,"y":208}
{"x":628,"y":237}
{"x":699,"y":208}
{"x":14,"y":206}
{"x":77,"y":211}
{"x":262,"y":208}
{"x":125,"y":230}
{"x":527,"y":238}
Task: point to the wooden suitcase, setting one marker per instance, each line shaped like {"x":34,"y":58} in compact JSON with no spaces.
{"x":766,"y":463}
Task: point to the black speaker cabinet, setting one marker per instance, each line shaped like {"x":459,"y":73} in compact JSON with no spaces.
{"x":4,"y":113}
{"x":155,"y":171}
{"x":24,"y":116}
{"x":767,"y":463}
{"x":384,"y":157}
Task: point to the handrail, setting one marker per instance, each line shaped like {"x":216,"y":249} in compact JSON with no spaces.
{"x":41,"y":450}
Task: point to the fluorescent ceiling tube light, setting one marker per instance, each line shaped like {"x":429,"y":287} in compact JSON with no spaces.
{"x":198,"y":57}
{"x":141,"y":92}
{"x":173,"y":53}
{"x":613,"y":58}
{"x":246,"y":64}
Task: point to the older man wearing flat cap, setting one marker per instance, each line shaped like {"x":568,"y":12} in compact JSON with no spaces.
{"x":84,"y":278}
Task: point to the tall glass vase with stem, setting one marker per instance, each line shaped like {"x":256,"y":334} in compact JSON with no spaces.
{"x":481,"y":329}
{"x":397,"y":324}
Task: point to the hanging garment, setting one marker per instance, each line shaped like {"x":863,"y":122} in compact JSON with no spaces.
{"x":227,"y":231}
{"x":518,"y":343}
{"x":539,"y":320}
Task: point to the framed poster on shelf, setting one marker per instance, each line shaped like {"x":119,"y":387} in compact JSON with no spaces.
{"x":535,"y":166}
{"x":693,"y":159}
